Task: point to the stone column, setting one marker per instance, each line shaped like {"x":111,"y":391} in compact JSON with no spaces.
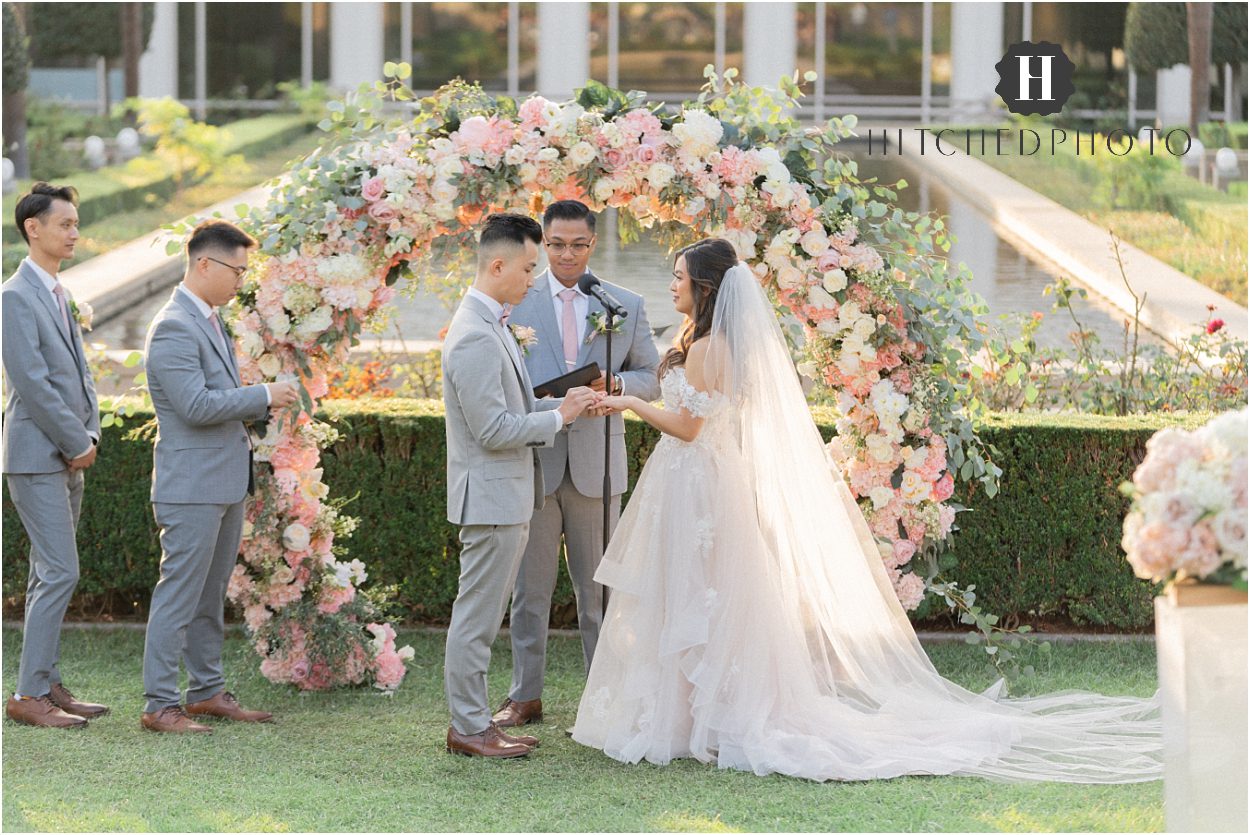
{"x":769,"y":42}
{"x":356,"y":44}
{"x":976,"y":46}
{"x":158,"y":65}
{"x":563,"y":48}
{"x":1172,"y":96}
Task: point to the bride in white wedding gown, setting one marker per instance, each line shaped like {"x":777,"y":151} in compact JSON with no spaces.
{"x":751,"y":623}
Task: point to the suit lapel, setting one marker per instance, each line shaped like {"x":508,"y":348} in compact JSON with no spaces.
{"x":207,"y":330}
{"x":504,"y":335}
{"x":48,"y":301}
{"x":547,"y":316}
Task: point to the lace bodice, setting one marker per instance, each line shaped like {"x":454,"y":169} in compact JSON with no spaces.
{"x":678,"y":393}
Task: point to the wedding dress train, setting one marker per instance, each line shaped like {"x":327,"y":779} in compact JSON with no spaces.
{"x":751,"y":623}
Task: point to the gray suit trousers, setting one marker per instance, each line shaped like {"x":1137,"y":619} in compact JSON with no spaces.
{"x":579,"y":519}
{"x":48,"y":504}
{"x":199,"y":547}
{"x":490,"y":556}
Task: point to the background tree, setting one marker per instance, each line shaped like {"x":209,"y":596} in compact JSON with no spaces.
{"x":70,"y":32}
{"x":1156,"y":35}
{"x":16,"y":74}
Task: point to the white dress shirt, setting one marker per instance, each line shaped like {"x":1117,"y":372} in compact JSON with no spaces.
{"x":497,"y":310}
{"x":49,"y":282}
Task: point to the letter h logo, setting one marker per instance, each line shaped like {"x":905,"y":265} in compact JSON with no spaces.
{"x":1035,"y":78}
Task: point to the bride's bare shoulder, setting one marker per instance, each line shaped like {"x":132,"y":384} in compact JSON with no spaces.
{"x":696,"y":363}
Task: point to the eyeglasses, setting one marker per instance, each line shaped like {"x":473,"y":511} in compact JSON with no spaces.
{"x":558,"y":247}
{"x":238,"y":271}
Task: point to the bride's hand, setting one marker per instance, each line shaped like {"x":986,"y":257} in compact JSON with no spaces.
{"x":610,"y":405}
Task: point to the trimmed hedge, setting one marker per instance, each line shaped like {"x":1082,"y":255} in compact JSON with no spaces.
{"x":113,"y":189}
{"x":1045,"y":550}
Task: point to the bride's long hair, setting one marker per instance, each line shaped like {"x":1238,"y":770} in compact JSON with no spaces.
{"x":707,"y":261}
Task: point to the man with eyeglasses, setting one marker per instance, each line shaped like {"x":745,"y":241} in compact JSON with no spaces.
{"x":201,"y":477}
{"x":569,"y":329}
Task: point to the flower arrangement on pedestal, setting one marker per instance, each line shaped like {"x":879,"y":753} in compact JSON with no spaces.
{"x":1188,"y":519}
{"x":862,"y":287}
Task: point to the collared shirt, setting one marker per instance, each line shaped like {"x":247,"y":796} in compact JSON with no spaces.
{"x":497,"y":310}
{"x":49,"y":282}
{"x":581,"y":307}
{"x":207,"y":310}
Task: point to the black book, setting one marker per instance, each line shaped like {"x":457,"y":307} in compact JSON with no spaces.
{"x":559,"y":386}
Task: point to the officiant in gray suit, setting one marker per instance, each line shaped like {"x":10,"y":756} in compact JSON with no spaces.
{"x":569,"y":329}
{"x":51,"y":431}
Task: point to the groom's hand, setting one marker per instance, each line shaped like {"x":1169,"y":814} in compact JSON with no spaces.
{"x":282,"y":395}
{"x":576,"y":401}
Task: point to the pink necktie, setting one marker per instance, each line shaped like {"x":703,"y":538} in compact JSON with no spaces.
{"x":503,"y":317}
{"x":59,"y":291}
{"x":221,"y":335}
{"x":568,"y":325}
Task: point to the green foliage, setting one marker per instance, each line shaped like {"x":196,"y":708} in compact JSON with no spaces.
{"x":1045,"y":550}
{"x":16,"y":52}
{"x":1156,"y":35}
{"x":81,"y":30}
{"x":310,"y":101}
{"x":192,"y":148}
{"x":1129,"y":175}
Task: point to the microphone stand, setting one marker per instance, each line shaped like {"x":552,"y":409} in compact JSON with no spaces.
{"x":609,"y":320}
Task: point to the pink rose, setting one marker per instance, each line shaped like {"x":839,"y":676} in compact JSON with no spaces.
{"x":944,"y":488}
{"x":904,"y":550}
{"x":614,"y":157}
{"x":382,"y":212}
{"x":300,"y":670}
{"x":645,"y":154}
{"x":1203,"y":554}
{"x":373,"y":189}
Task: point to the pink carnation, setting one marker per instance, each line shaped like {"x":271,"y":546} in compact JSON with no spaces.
{"x":334,"y":598}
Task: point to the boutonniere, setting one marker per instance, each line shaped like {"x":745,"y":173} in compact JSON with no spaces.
{"x":599,"y":324}
{"x":82,"y":313}
{"x":525,"y":338}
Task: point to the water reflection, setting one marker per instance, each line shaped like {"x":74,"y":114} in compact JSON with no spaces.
{"x":1007,"y":277}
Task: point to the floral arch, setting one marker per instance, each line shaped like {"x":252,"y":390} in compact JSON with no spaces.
{"x":863,"y":287}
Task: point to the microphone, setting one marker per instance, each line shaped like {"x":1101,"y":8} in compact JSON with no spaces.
{"x":589,"y":284}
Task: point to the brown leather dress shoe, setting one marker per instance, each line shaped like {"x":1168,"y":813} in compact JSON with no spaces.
{"x":173,"y":720}
{"x":225,"y":706}
{"x":531,"y":741}
{"x":62,"y":698}
{"x":489,"y":743}
{"x":514,"y":714}
{"x":42,"y":712}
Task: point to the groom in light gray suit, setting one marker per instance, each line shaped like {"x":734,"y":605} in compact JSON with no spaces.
{"x":564,"y":320}
{"x":201,"y":476}
{"x":493,"y":480}
{"x":51,"y":431}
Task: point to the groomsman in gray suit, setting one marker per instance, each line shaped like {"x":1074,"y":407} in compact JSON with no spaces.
{"x":201,"y":477}
{"x":565,"y":322}
{"x":51,"y":432}
{"x":493,"y":480}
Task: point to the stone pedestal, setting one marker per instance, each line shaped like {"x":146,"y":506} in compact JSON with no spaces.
{"x":1202,"y":688}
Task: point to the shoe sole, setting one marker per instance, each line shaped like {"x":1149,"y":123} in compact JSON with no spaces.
{"x":534,"y":720}
{"x":77,"y":726}
{"x":458,"y":752}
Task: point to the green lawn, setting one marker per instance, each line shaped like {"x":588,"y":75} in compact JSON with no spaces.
{"x":356,"y":761}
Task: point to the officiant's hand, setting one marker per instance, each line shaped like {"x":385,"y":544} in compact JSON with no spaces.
{"x":601,"y":383}
{"x":576,"y":401}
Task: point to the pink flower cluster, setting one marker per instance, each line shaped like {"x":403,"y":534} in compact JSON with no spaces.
{"x":1188,"y":517}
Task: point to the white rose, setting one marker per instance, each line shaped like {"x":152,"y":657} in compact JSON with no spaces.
{"x":251,"y":343}
{"x":548,"y":155}
{"x":449,"y":167}
{"x":269,"y":365}
{"x":815,"y":242}
{"x":661,"y":174}
{"x":880,"y":448}
{"x":817,"y":297}
{"x":914,"y":488}
{"x":881,"y":496}
{"x":296,"y":537}
{"x":789,"y":277}
{"x":443,"y":211}
{"x":1229,"y":527}
{"x":528,"y":172}
{"x":582,"y":154}
{"x":282,"y":575}
{"x":279,"y":324}
{"x":443,"y":191}
{"x":604,"y":188}
{"x":711,"y":189}
{"x":514,"y":155}
{"x":781,"y":193}
{"x":835,"y":280}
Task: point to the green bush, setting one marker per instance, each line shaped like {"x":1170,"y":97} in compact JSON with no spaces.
{"x":1046,"y":550}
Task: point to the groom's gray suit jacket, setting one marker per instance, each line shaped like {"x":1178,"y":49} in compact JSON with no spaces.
{"x":493,"y":424}
{"x":634,"y":358}
{"x":51,"y":412}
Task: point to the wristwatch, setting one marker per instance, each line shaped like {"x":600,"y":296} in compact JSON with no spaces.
{"x":618,"y":385}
